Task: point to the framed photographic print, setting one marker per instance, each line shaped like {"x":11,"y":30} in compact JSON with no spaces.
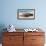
{"x":26,"y":14}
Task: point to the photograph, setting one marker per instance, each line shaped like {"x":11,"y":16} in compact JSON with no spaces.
{"x":26,"y":14}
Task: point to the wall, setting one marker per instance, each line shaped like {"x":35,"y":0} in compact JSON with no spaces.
{"x":9,"y":13}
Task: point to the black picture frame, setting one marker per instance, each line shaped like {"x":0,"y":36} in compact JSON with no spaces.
{"x":26,"y":14}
